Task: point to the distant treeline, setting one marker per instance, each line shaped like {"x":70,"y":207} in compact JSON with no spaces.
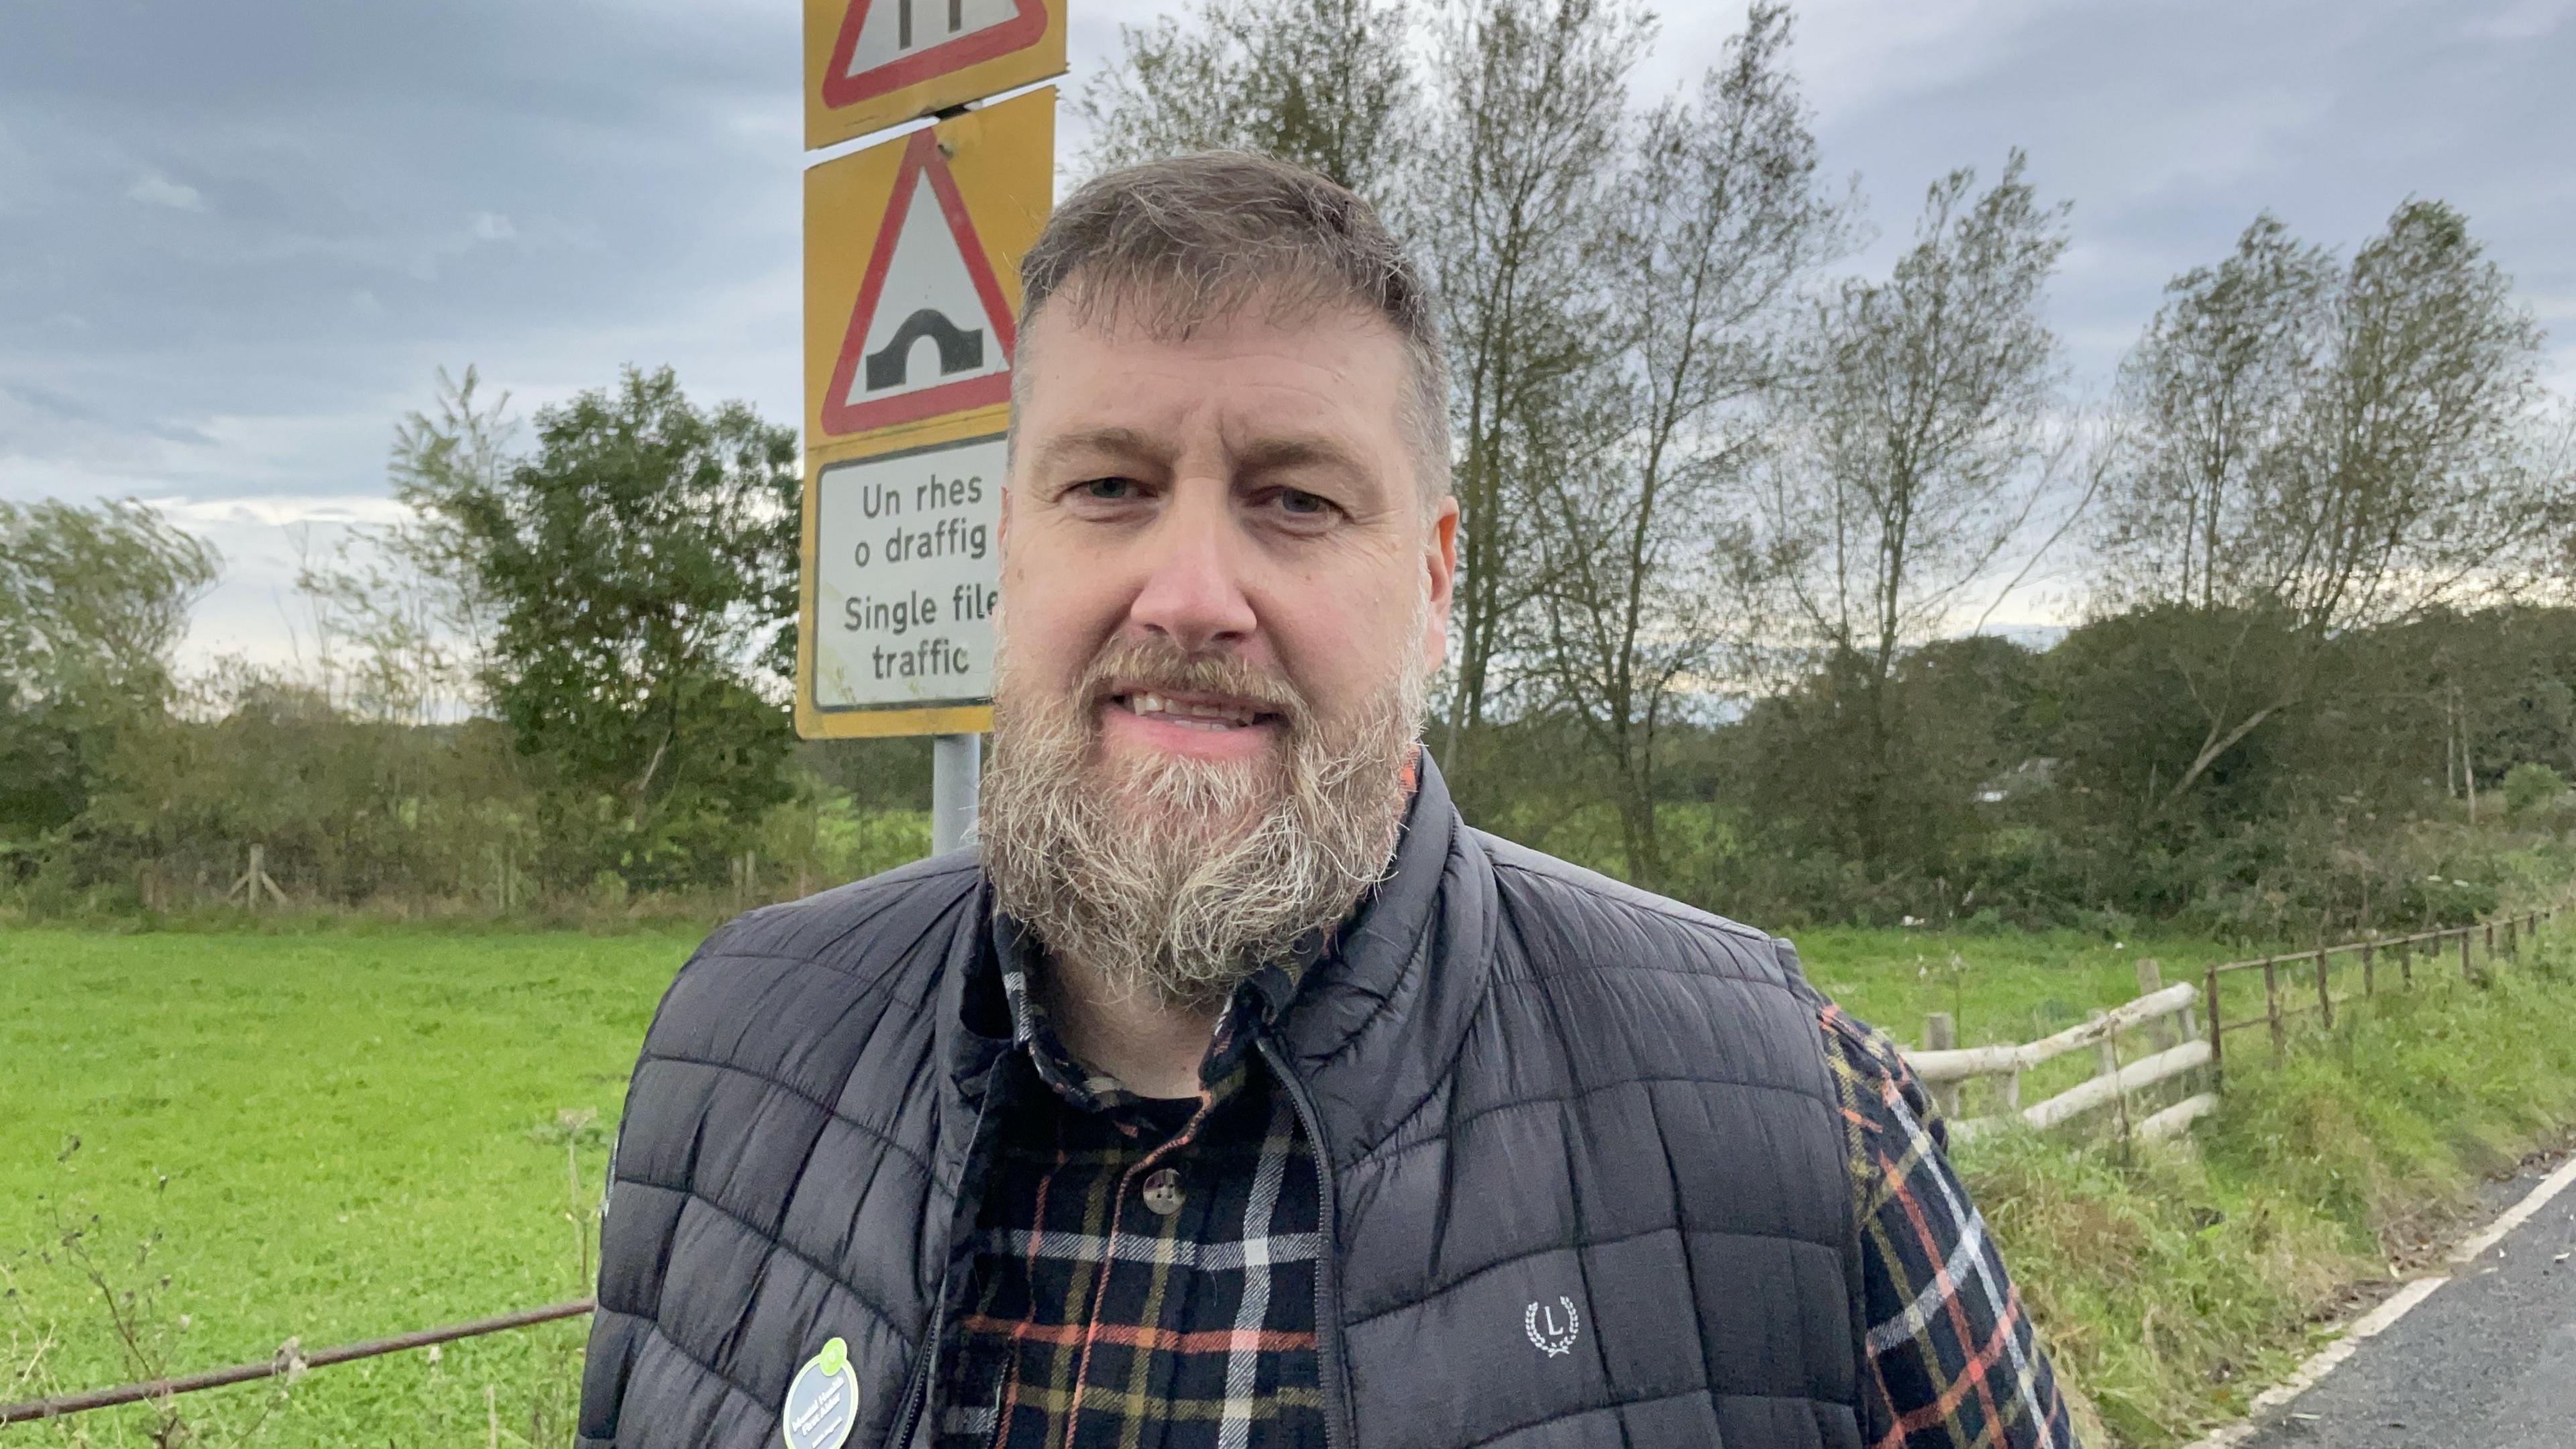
{"x":1734,"y":516}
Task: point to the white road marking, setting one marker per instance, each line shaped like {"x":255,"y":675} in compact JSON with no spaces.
{"x":2378,"y":1320}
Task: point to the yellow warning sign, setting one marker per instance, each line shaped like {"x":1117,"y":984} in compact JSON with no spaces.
{"x":912,"y":294}
{"x":912,"y":258}
{"x":870,"y":64}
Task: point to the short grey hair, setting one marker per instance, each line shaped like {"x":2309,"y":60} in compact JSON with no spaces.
{"x":1176,"y":243}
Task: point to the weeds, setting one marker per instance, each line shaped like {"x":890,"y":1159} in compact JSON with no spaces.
{"x":126,"y":1291}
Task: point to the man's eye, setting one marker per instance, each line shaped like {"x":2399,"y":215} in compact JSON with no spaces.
{"x":1108,"y":490}
{"x":1302,"y":504}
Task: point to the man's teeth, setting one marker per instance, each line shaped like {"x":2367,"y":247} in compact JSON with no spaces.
{"x":1183,"y":712}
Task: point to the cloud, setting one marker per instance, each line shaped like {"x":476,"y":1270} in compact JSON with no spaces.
{"x":280,"y":511}
{"x":161,"y":191}
{"x":2523,"y":20}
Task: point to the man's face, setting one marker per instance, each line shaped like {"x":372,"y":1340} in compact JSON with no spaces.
{"x":1222,"y":593}
{"x":1244,"y":495}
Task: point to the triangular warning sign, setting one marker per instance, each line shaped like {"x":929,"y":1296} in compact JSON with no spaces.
{"x":885,"y":45}
{"x":930,"y":332}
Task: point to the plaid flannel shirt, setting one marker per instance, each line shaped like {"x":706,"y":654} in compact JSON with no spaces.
{"x":1144,"y":1271}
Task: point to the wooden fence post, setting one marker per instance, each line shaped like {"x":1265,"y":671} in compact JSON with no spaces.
{"x":2272,"y":1002}
{"x":256,"y":882}
{"x":2217,"y":1034}
{"x":2512,"y":942}
{"x":2106,"y":1056}
{"x":2465,"y":973}
{"x":2369,"y":969}
{"x":2170,"y":1031}
{"x":1941,"y":1034}
{"x":2406,"y":962}
{"x":2325,"y":996}
{"x":2490,"y":940}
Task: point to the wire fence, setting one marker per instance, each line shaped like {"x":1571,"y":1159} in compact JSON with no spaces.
{"x":289,"y":1362}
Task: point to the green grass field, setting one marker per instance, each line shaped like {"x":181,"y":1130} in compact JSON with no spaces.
{"x":335,"y":1136}
{"x":351,"y":1131}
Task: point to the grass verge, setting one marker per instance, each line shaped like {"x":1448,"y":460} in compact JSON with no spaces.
{"x":2173,"y":1285}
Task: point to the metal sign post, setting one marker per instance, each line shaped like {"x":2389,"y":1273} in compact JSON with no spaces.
{"x":956,"y":769}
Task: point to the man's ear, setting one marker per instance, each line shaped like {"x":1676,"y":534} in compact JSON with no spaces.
{"x":1440,"y":561}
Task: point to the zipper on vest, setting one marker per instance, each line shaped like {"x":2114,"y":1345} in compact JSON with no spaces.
{"x":916,"y":1394}
{"x":1328,"y":1295}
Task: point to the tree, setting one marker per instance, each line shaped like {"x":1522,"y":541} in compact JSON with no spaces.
{"x":1513,"y":188}
{"x":1645,"y":558}
{"x":1912,"y":453}
{"x":2340,"y":449}
{"x":1322,"y":83}
{"x":405,"y":598}
{"x":2212,"y":395}
{"x":641,"y":568}
{"x":92,"y":602}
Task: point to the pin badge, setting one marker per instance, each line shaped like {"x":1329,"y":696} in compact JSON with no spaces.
{"x":822,"y":1401}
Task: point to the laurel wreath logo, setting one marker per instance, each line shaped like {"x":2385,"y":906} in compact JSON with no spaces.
{"x":1553,"y":1344}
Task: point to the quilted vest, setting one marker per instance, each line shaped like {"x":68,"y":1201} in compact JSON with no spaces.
{"x":1582,"y":1156}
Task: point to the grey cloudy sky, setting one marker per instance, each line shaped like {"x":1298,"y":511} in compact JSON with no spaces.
{"x":237,"y":237}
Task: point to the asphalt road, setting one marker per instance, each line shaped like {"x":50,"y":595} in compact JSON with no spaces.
{"x":2487,"y":1362}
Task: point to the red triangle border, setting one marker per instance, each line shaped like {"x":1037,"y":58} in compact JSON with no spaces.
{"x":843,"y":89}
{"x":839,"y":416}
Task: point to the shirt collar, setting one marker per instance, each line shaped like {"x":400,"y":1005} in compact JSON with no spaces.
{"x":1258,"y":1003}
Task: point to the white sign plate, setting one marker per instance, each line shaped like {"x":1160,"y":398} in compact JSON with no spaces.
{"x":907,"y":569}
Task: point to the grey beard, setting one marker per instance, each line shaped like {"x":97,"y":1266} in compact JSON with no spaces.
{"x":1183,"y":877}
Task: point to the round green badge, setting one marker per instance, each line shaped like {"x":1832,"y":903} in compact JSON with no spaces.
{"x":822,"y":1401}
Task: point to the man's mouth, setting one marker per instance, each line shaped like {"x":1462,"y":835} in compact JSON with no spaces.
{"x":1213,"y":712}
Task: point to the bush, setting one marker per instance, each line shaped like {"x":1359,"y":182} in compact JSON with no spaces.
{"x":2531,"y":786}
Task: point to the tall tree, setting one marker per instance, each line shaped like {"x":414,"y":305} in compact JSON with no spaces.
{"x":2354,"y":446}
{"x":401,"y":619}
{"x":1645,"y":553}
{"x":1518,"y":176}
{"x":641,"y":566}
{"x":2212,"y":397}
{"x":1319,"y":82}
{"x":1914,"y":446}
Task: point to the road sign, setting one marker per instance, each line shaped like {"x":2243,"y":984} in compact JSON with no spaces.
{"x":912,"y":253}
{"x":870,"y":64}
{"x":902,"y":571}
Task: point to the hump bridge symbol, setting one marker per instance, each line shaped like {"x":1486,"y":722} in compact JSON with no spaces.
{"x":960,"y":349}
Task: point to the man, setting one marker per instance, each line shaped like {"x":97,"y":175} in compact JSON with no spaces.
{"x":1234,"y":1092}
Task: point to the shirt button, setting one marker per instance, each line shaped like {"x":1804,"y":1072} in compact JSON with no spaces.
{"x":1163,"y":1191}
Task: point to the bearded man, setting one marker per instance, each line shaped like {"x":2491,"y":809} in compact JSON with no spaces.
{"x":1232,"y":1091}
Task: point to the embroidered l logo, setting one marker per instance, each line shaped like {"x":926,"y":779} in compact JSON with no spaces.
{"x":1549,"y":1334}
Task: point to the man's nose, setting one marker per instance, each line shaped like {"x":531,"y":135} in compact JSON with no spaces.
{"x":1193,"y":592}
